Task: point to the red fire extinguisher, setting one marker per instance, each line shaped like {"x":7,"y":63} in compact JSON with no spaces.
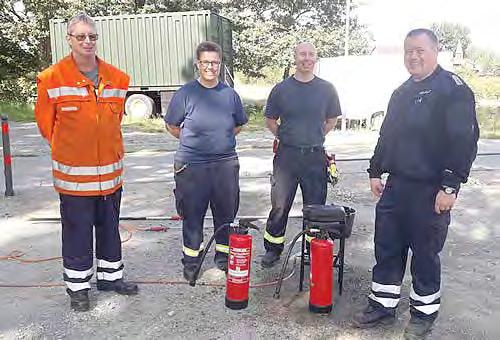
{"x":320,"y":295}
{"x":238,"y":275}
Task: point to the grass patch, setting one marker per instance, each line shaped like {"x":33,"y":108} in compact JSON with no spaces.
{"x":255,"y":113}
{"x":145,"y":125}
{"x":18,"y":112}
{"x":489,"y":121}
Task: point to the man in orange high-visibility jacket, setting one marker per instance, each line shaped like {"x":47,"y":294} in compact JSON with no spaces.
{"x":79,"y":109}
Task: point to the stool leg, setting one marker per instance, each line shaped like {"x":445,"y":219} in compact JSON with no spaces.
{"x":302,"y":255}
{"x":341,"y":264}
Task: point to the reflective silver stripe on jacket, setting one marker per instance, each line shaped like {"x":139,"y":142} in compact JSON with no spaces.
{"x":67,"y":91}
{"x":87,"y":170}
{"x":88,"y":186}
{"x":107,"y":93}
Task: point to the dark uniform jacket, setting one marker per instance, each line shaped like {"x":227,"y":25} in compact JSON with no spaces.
{"x":430,"y":131}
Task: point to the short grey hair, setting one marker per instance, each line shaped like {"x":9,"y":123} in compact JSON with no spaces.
{"x":303,"y":42}
{"x":80,"y":17}
{"x":429,"y":33}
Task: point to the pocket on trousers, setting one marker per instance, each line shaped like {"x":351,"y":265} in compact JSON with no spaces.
{"x":179,"y":167}
{"x":179,"y":204}
{"x":272,"y":180}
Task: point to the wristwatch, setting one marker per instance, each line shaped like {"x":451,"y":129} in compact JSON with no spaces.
{"x":449,"y":190}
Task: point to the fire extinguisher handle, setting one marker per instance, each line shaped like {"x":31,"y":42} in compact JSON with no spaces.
{"x":247,"y":223}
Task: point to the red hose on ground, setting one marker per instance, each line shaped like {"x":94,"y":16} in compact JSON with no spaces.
{"x":17,"y":255}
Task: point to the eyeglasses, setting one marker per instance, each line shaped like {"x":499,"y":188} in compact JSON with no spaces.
{"x":206,"y":63}
{"x":83,"y":37}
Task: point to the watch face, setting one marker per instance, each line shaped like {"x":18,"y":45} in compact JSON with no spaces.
{"x":449,"y":191}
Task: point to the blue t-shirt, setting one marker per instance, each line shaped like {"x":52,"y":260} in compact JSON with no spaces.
{"x":207,"y":117}
{"x":303,"y":108}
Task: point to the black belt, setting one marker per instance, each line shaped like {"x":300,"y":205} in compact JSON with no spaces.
{"x":304,"y":149}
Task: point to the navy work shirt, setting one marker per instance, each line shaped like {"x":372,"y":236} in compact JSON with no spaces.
{"x":430,"y":131}
{"x":303,"y":108}
{"x":207,"y":117}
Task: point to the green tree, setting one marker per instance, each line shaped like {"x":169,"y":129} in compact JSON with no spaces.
{"x":266,"y":31}
{"x":452,"y":34}
{"x":486,"y":61}
{"x":24,"y":37}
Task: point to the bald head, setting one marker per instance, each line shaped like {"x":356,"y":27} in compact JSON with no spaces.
{"x":305,"y":60}
{"x":305,"y":45}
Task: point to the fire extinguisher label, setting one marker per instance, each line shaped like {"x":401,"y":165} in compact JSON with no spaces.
{"x":239,"y":265}
{"x":238,"y":273}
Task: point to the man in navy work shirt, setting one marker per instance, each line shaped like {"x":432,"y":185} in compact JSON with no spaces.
{"x":307,"y":108}
{"x":206,"y":115}
{"x":427,"y":144}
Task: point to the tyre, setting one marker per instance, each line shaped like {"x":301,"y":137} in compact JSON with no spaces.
{"x":376,"y":120}
{"x":139,"y":106}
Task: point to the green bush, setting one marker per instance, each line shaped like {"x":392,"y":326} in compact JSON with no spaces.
{"x":484,"y":87}
{"x":17,"y":112}
{"x":272,"y":75}
{"x":255,"y":113}
{"x":489,"y":121}
{"x":21,"y":90}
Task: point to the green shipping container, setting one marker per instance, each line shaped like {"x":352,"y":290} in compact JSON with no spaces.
{"x":156,"y":50}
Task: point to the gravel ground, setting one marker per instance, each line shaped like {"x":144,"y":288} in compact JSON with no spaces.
{"x":471,"y":299}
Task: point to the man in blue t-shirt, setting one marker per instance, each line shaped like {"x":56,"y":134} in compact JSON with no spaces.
{"x":206,"y":115}
{"x":307,"y":108}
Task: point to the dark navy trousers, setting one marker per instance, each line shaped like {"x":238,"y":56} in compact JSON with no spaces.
{"x":79,"y":216}
{"x":292,"y":167}
{"x":198,"y":186}
{"x":406,"y":220}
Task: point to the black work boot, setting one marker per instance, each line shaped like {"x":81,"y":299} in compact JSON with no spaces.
{"x":269,"y":259}
{"x":119,"y":286}
{"x":417,"y":328}
{"x":221,"y":262}
{"x":190,"y":267}
{"x":189,"y":273}
{"x":372,"y":316}
{"x":79,"y":300}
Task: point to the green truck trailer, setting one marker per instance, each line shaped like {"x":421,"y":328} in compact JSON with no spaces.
{"x":156,"y":50}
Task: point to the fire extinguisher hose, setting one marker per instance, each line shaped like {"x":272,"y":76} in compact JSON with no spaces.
{"x":204,"y":253}
{"x":285,"y":263}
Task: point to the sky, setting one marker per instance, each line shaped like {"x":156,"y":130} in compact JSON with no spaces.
{"x":390,"y":20}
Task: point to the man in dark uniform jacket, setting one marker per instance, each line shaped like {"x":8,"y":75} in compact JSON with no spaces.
{"x":307,"y":108}
{"x":427,"y":144}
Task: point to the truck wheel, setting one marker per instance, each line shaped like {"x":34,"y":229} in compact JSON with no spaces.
{"x":139,"y":106}
{"x":376,"y":120}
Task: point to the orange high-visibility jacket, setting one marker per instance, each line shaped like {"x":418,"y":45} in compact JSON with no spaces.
{"x":82,"y":125}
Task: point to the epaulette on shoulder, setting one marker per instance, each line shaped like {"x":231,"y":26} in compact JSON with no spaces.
{"x":457,"y":79}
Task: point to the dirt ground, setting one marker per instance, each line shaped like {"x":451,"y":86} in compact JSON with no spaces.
{"x":470,"y":306}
